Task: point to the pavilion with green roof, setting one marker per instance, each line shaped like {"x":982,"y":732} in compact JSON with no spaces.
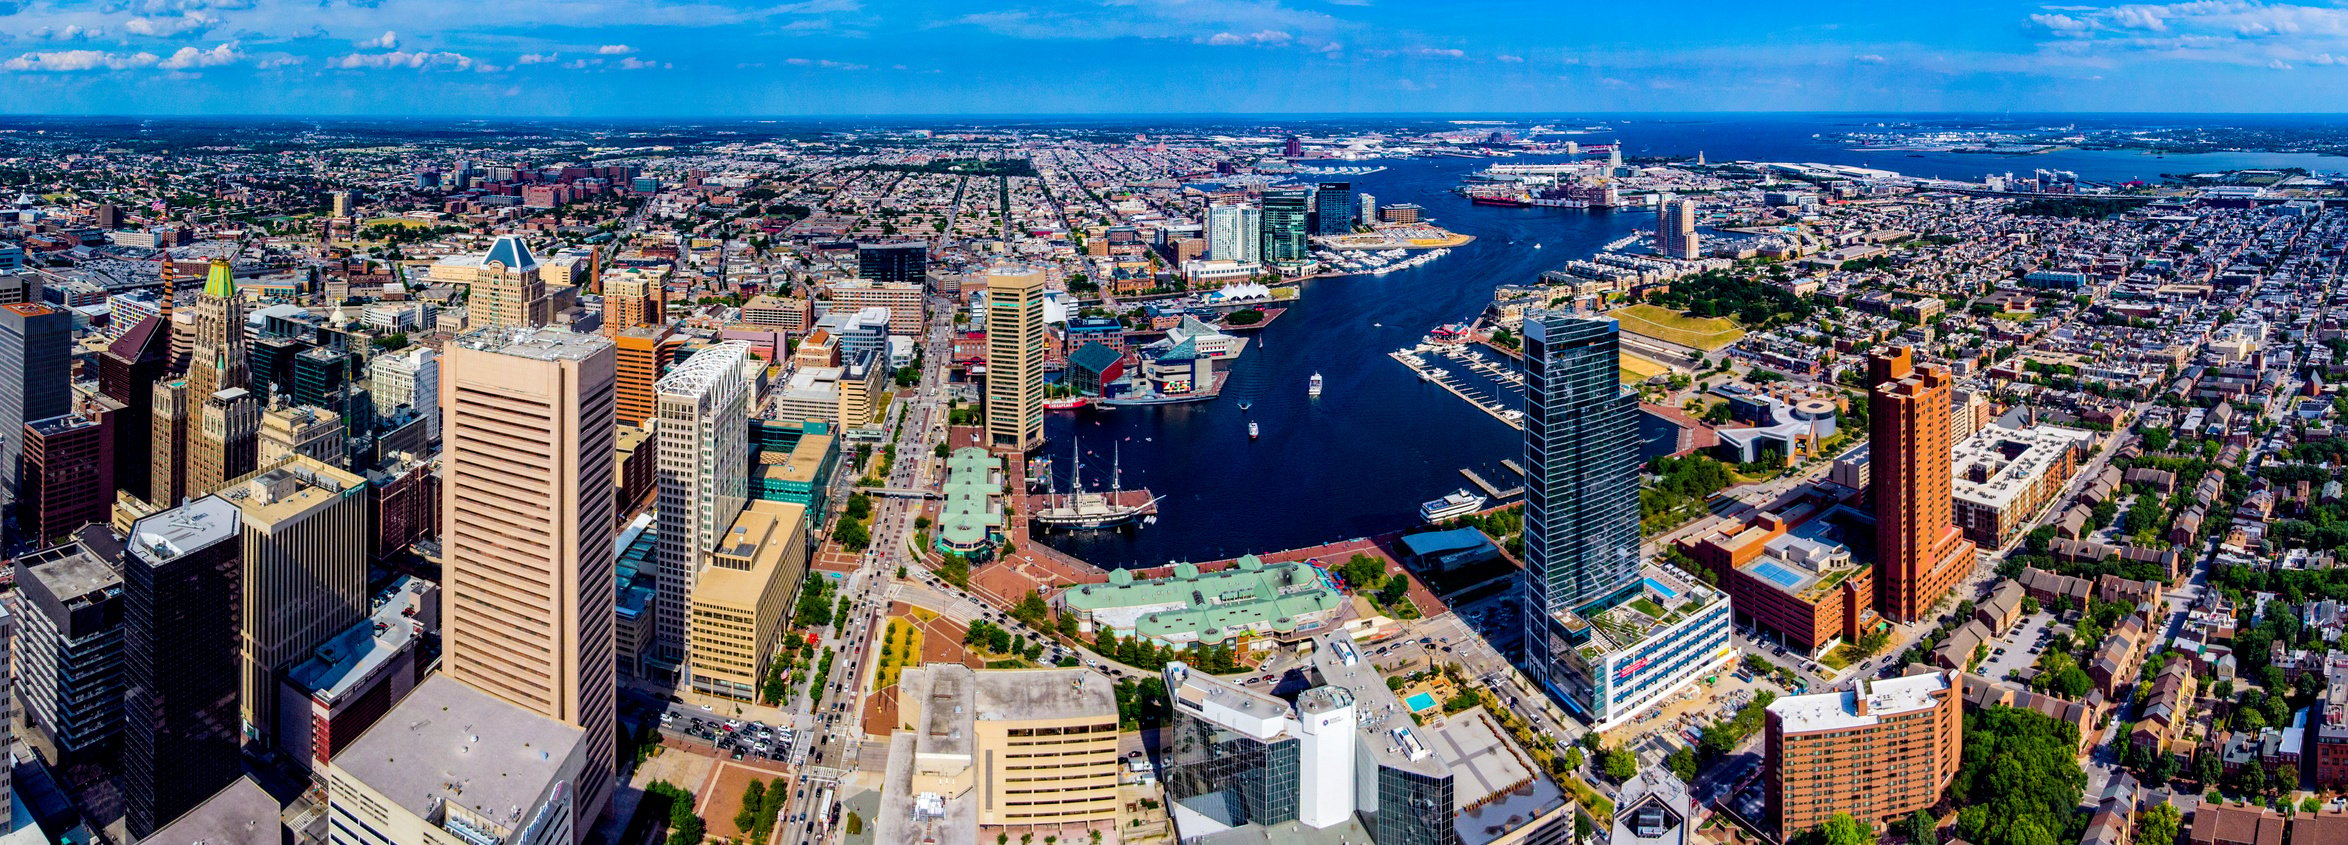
{"x":1250,"y":597}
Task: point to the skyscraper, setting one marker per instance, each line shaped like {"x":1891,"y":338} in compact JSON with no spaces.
{"x":1582,"y":451}
{"x":508,"y":291}
{"x":223,"y":439}
{"x":527,"y":434}
{"x":632,"y":299}
{"x":1922,"y":554}
{"x":303,"y":538}
{"x":703,"y":473}
{"x":642,"y":354}
{"x":1015,"y":359}
{"x":1675,"y":230}
{"x":69,"y":647}
{"x":170,"y":417}
{"x":1235,"y":232}
{"x":1603,"y":636}
{"x":180,"y":590}
{"x":1334,"y":208}
{"x":409,"y":377}
{"x":1286,"y":212}
{"x":68,"y":475}
{"x":36,"y":363}
{"x":128,"y":372}
{"x":897,"y":262}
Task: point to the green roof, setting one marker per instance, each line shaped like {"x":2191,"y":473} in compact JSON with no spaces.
{"x":969,"y":516}
{"x":1215,"y":606}
{"x":220,"y":282}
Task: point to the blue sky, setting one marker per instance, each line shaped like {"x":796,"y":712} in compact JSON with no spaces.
{"x":820,"y":57}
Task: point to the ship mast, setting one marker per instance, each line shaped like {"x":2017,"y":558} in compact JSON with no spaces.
{"x":1116,"y":467}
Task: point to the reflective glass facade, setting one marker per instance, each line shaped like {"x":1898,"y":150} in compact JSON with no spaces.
{"x":1582,"y":484}
{"x":1286,"y":211}
{"x":1413,"y":809}
{"x":1230,"y":776}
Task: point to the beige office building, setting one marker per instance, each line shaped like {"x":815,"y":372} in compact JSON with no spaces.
{"x":743,"y":599}
{"x":223,"y":439}
{"x":1014,"y":359}
{"x":1036,"y":748}
{"x":527,"y":571}
{"x":301,"y":430}
{"x":507,"y":289}
{"x":901,"y":298}
{"x":304,"y":528}
{"x":633,"y":298}
{"x":703,"y":474}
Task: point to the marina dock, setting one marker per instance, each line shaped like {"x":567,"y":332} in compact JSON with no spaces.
{"x":1499,"y":407}
{"x":1489,"y":488}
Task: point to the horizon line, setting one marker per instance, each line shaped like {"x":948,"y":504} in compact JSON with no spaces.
{"x":1106,"y":115}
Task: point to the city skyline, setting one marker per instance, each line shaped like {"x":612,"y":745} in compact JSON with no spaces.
{"x":847,"y":57}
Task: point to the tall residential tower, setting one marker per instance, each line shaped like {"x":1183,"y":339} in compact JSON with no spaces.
{"x":1922,"y":554}
{"x":1589,"y":639}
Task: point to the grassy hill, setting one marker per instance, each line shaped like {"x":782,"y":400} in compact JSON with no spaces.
{"x":1705,"y":333}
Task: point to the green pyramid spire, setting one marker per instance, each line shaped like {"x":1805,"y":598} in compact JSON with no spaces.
{"x":220,"y":282}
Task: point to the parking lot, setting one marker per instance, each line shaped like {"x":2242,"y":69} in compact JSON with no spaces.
{"x":735,"y":737}
{"x":2020,"y":647}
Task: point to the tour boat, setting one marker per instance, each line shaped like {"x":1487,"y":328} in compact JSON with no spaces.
{"x":1314,"y":389}
{"x":1459,"y":503}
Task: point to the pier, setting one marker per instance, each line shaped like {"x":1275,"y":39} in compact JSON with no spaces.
{"x":1489,"y":404}
{"x":1489,"y":488}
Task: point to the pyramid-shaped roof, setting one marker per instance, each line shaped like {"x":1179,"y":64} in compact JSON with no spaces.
{"x":509,"y":250}
{"x":220,"y":282}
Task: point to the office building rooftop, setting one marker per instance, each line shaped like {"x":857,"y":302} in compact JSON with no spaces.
{"x":76,"y":569}
{"x":450,"y":743}
{"x":351,"y":656}
{"x":1387,"y":731}
{"x":189,"y":528}
{"x":538,"y":344}
{"x":243,"y":813}
{"x":297,"y":486}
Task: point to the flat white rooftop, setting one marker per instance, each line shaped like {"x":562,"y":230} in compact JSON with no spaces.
{"x":1843,"y":710}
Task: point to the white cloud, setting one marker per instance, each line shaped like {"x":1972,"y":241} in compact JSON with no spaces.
{"x":69,"y":32}
{"x":615,"y":50}
{"x":1439,"y":52}
{"x":633,"y":63}
{"x":168,"y":27}
{"x":387,"y":41}
{"x":280,"y":60}
{"x":1514,"y":60}
{"x":823,"y":63}
{"x":1870,"y":59}
{"x":418,"y":60}
{"x":190,"y":58}
{"x":2060,"y":24}
{"x":1262,"y":37}
{"x":68,"y":61}
{"x":537,"y":58}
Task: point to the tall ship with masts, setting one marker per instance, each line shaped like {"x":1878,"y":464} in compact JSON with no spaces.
{"x":1081,"y":509}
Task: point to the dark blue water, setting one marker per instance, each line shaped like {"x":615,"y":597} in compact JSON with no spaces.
{"x":1359,"y":460}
